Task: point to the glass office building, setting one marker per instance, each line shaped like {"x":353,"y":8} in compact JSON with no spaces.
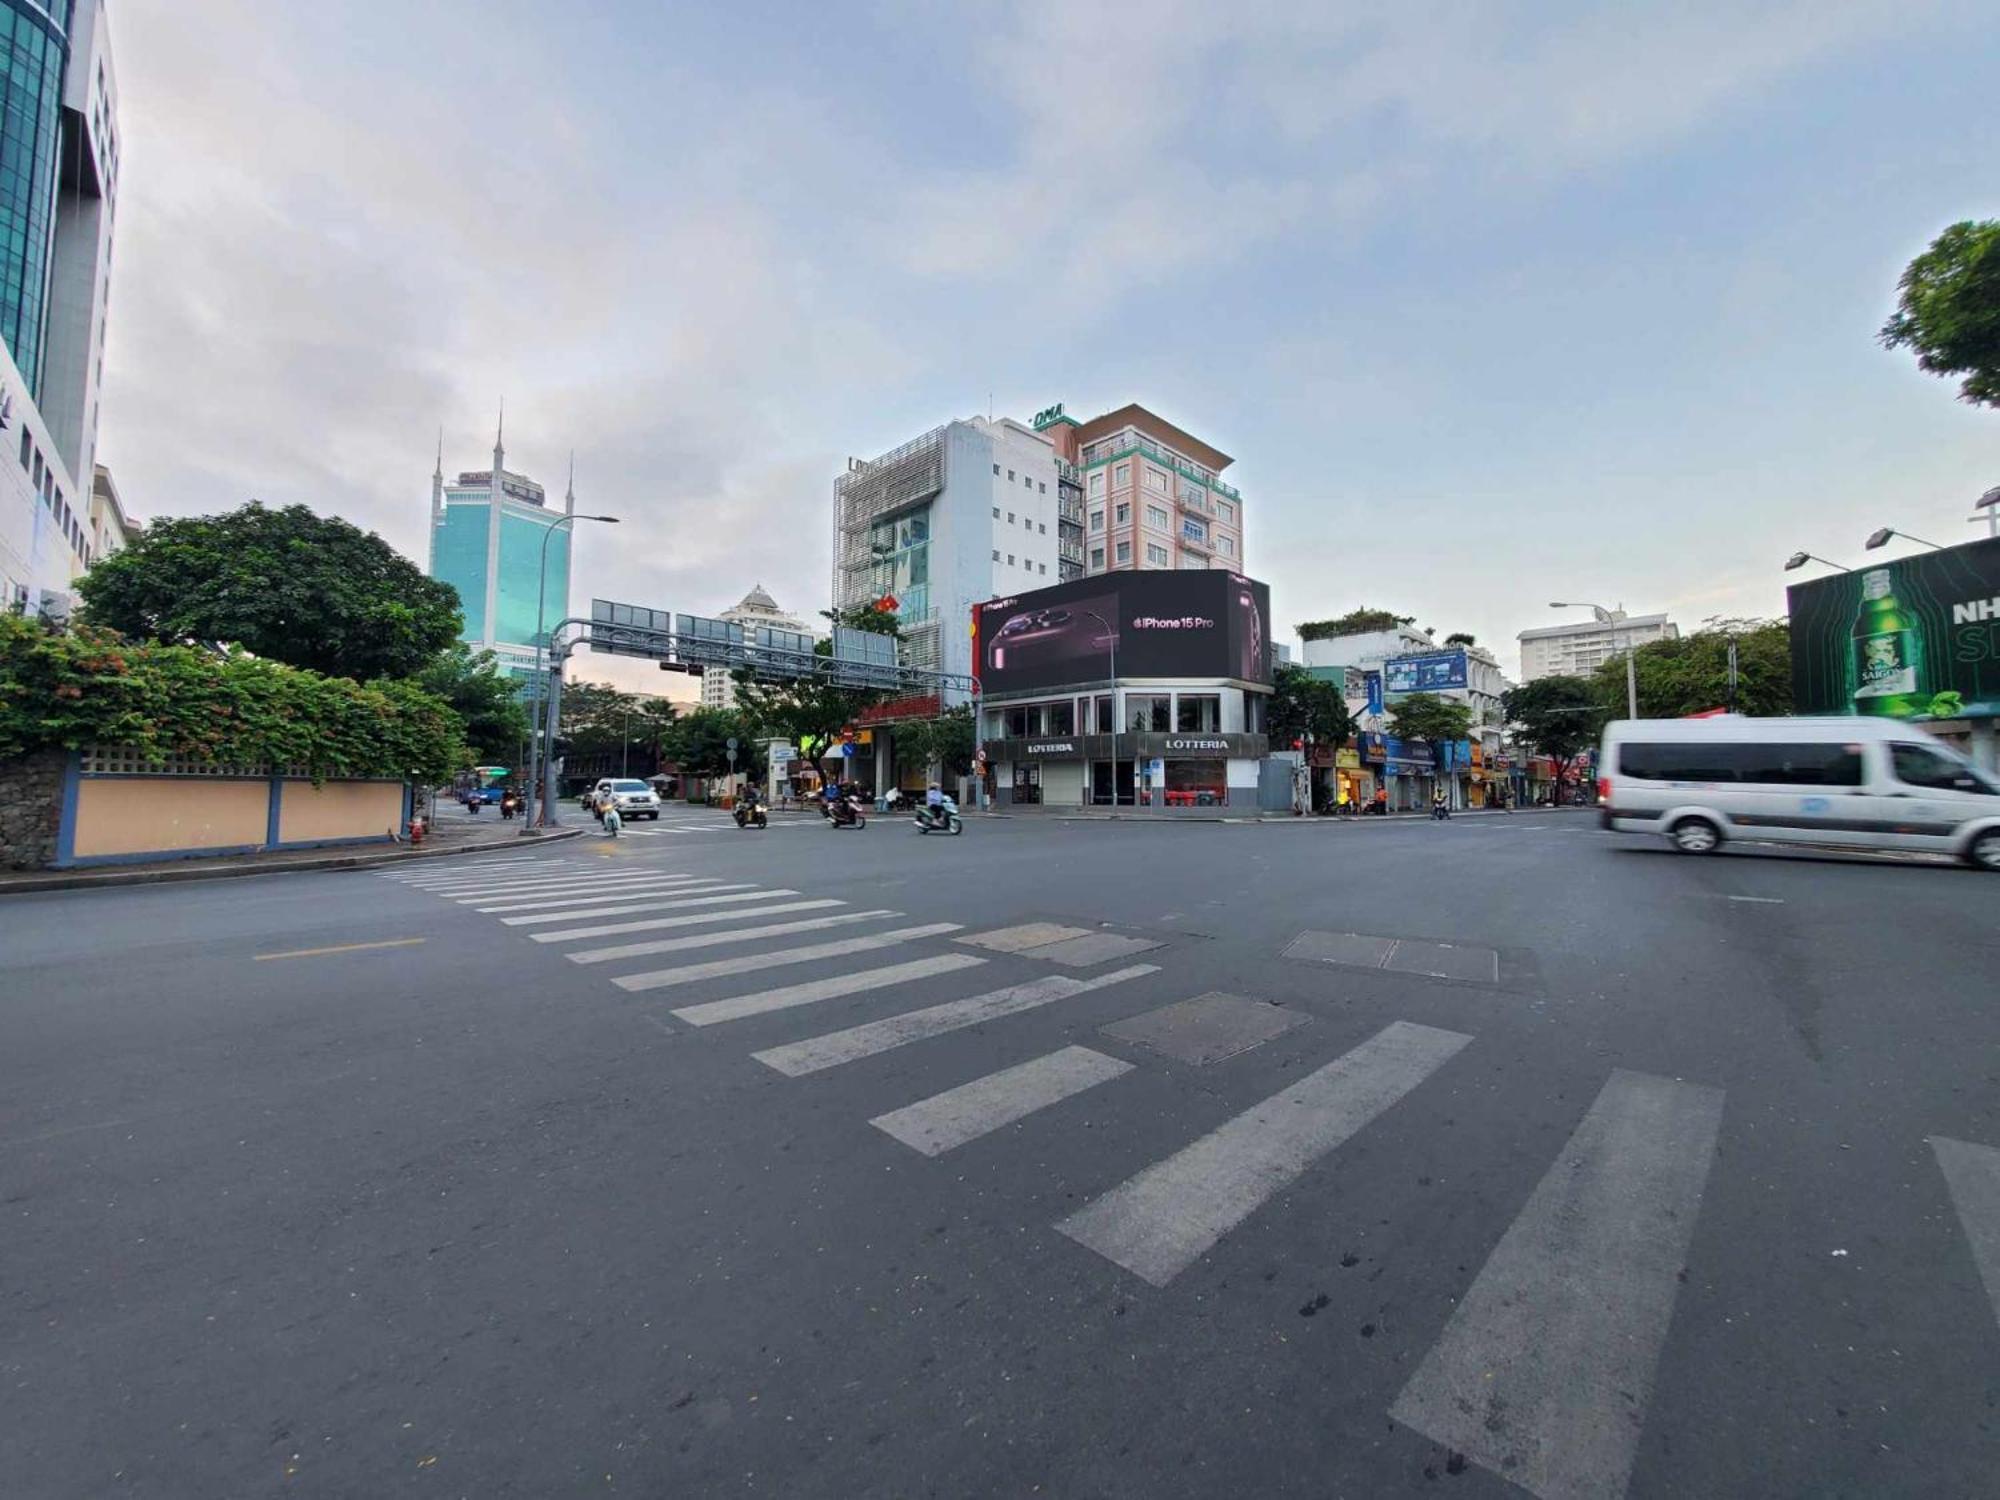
{"x":491,"y":532}
{"x":33,"y":49}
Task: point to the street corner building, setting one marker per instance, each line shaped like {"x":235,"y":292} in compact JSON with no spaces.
{"x":60,"y":151}
{"x":1137,"y":690}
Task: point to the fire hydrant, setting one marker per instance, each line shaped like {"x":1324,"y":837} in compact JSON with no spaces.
{"x":416,"y":831}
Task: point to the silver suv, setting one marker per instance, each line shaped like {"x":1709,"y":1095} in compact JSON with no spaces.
{"x":632,"y":798}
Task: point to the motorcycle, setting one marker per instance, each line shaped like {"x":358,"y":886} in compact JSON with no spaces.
{"x":846,"y":813}
{"x":944,"y":817}
{"x":751,"y":815}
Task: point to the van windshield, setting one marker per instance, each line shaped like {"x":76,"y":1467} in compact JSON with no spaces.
{"x":1777,"y":763}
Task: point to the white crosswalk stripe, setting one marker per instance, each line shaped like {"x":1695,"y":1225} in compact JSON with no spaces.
{"x":813,"y":991}
{"x":1543,"y":1372}
{"x":718,"y":939}
{"x":1160,"y":1222}
{"x":458,"y":874}
{"x":937,"y":1124}
{"x":577,"y":880}
{"x":638,"y":890}
{"x":777,"y":958}
{"x":1973,"y":1175}
{"x":706,"y":899}
{"x":796,"y":1059}
{"x":739,"y":914}
{"x":460,"y":867}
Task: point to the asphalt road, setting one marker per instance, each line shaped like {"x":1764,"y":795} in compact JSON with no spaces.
{"x":1536,"y":1160}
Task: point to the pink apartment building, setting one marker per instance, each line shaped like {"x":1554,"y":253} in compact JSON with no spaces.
{"x":1151,"y":494}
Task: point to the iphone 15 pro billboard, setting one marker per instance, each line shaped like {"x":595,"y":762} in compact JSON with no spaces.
{"x":1158,"y":624}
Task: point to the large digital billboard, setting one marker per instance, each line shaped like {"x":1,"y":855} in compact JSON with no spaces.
{"x":1917,"y":638}
{"x":1160,"y":624}
{"x":1427,"y":672}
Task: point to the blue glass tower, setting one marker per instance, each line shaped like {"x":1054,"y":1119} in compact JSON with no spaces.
{"x":34,"y":46}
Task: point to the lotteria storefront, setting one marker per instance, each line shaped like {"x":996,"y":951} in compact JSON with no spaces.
{"x":1177,"y":725}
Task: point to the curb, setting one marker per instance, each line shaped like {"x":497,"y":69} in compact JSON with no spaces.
{"x":70,"y":880}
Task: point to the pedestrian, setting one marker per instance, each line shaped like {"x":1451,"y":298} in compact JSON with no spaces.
{"x":611,"y":821}
{"x":1382,"y":800}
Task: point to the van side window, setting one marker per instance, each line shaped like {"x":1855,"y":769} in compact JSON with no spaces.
{"x":1919,"y":765}
{"x":1779,"y":764}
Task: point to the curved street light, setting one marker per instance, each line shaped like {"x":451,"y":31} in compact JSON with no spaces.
{"x":1799,"y":559}
{"x":1607,"y":617}
{"x":540,"y":766}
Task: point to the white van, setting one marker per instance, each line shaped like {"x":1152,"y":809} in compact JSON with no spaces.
{"x":1869,"y":783}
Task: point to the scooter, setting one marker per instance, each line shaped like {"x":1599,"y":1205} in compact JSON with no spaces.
{"x":750,"y":814}
{"x":944,"y":819}
{"x":847,"y":813}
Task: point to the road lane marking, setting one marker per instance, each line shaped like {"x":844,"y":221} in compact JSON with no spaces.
{"x":796,"y":1059}
{"x":1973,"y":1175}
{"x":460,"y":871}
{"x":709,"y":897}
{"x":1543,"y":1372}
{"x":581,"y":880}
{"x":1160,"y":1222}
{"x":409,"y":942}
{"x":778,"y":958}
{"x":815,"y":990}
{"x":937,"y":1124}
{"x":718,"y":939}
{"x":630,"y":892}
{"x":743,"y":914}
{"x":1760,"y":900}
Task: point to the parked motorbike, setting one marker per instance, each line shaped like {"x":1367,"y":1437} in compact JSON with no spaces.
{"x":944,"y":819}
{"x":750,"y":814}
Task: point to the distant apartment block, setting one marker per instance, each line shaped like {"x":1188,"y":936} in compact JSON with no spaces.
{"x":718,"y":686}
{"x":1152,"y":494}
{"x":1580,"y":648}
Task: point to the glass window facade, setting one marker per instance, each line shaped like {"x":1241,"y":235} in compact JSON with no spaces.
{"x":460,"y":560}
{"x":521,"y":540}
{"x":32,"y":55}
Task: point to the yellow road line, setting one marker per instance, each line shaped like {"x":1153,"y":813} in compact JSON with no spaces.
{"x":344,"y":948}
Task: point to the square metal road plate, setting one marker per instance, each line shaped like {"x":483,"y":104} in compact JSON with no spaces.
{"x":1399,"y":955}
{"x":1207,"y":1028}
{"x":1024,"y":937}
{"x":1092,"y":948}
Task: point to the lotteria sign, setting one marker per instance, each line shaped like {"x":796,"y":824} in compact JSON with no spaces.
{"x":1917,"y":638}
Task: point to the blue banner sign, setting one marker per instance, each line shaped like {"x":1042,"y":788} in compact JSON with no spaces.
{"x":1430,"y":673}
{"x":1375,"y":692}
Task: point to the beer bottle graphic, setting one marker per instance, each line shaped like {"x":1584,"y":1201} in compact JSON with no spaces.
{"x":1888,"y":652}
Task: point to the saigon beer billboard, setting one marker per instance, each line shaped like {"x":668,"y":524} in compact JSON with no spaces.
{"x":1917,"y":638}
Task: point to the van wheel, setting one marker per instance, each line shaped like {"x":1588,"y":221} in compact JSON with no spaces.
{"x":1983,"y":852}
{"x":1695,"y":836}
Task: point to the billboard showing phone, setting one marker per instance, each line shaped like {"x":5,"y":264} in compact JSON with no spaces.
{"x":1917,"y":638}
{"x":1426,"y":672}
{"x":1159,"y":624}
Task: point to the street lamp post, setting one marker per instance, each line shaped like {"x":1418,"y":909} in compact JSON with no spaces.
{"x":1606,"y":617}
{"x":1881,"y":539}
{"x":541,"y":767}
{"x":1111,"y":647}
{"x":1799,"y":559}
{"x":1990,"y":503}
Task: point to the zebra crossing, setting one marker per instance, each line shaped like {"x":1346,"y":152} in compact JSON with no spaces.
{"x":1562,"y":1324}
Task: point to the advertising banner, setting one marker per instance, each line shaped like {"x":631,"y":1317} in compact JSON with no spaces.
{"x":1160,"y":624}
{"x":1432,"y":672}
{"x":1917,"y":638}
{"x":1375,"y":693}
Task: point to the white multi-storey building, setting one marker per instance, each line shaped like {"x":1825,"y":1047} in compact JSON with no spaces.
{"x":718,"y":687}
{"x":59,"y":164}
{"x":949,"y":520}
{"x":1581,"y":647}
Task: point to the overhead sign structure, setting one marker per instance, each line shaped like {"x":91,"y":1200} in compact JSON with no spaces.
{"x":1917,"y":638}
{"x":1427,"y":672}
{"x":864,"y":658}
{"x":629,"y":629}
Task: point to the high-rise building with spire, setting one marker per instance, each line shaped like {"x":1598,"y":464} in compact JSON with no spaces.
{"x":495,"y":539}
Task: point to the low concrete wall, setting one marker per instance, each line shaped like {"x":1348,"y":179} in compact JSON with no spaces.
{"x":54,"y":814}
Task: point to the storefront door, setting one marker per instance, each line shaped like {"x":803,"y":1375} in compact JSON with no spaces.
{"x":1027,"y":784}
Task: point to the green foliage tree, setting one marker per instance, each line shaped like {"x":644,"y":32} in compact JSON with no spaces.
{"x":1354,"y":622}
{"x":1690,"y":675}
{"x":1303,"y":704}
{"x":1426,"y":716}
{"x":944,"y":741}
{"x":699,"y":743}
{"x":599,"y":721}
{"x":71,"y":689}
{"x":1948,"y":312}
{"x":1459,"y":638}
{"x":286,"y":585}
{"x":812,"y":711}
{"x":1559,"y":717}
{"x":471,"y":682}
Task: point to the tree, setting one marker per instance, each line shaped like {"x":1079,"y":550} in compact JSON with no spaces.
{"x":1949,"y":310}
{"x":599,"y":721}
{"x":496,"y":720}
{"x":1459,"y":638}
{"x":944,"y":741}
{"x":1303,"y":704}
{"x":1426,"y":716}
{"x":1354,"y":622}
{"x":699,"y":744}
{"x":285,"y":585}
{"x":808,"y":711}
{"x":1555,"y":716}
{"x":1690,"y":675}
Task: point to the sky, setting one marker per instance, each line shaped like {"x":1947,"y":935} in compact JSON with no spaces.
{"x":1494,"y":304}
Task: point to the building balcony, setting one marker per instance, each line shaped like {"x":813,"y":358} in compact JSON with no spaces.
{"x":1103,"y":453}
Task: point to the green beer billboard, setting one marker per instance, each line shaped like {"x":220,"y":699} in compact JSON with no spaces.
{"x":1917,"y":638}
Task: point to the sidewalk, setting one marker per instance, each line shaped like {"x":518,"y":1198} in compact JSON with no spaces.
{"x":455,"y":832}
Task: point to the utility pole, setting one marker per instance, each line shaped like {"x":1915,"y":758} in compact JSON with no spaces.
{"x":1732,"y":674}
